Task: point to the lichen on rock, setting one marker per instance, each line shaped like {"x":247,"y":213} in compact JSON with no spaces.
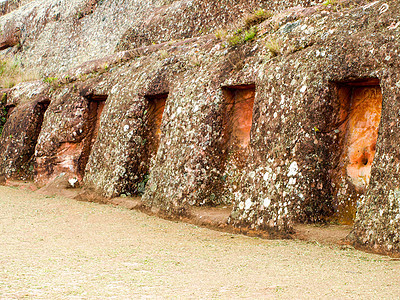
{"x":278,"y":125}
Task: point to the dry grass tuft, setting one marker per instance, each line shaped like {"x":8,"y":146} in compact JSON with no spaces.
{"x":257,"y":17}
{"x":274,"y":47}
{"x":221,"y":34}
{"x":11,"y":74}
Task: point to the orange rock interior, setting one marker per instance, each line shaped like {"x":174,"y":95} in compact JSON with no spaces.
{"x":361,"y":105}
{"x":238,"y":120}
{"x":155,"y":114}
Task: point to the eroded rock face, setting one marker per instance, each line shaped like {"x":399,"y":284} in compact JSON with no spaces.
{"x":239,"y":116}
{"x":187,"y":18}
{"x":153,"y":119}
{"x":361,"y":113}
{"x":7,"y":6}
{"x":58,"y":35}
{"x":68,"y":136}
{"x":96,"y":107}
{"x":11,"y":35}
{"x":3,"y":112}
{"x":284,"y":120}
{"x":26,"y":107}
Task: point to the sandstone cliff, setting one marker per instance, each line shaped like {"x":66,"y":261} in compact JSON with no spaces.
{"x":289,"y":114}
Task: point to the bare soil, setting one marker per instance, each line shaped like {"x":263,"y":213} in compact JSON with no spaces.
{"x":53,"y":247}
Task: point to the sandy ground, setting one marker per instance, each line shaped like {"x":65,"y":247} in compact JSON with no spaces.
{"x":58,"y":248}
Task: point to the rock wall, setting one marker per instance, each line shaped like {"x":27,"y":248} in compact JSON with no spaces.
{"x":25,"y":109}
{"x":188,"y":18}
{"x":7,"y":6}
{"x":54,"y":36}
{"x":271,"y":124}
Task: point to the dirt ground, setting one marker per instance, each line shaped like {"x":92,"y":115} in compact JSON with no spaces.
{"x":58,"y":248}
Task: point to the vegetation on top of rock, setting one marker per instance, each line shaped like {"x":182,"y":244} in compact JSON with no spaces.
{"x":329,"y":2}
{"x":241,"y":36}
{"x":246,"y":31}
{"x":273,"y":46}
{"x":11,"y":73}
{"x":50,"y":80}
{"x":257,"y":17}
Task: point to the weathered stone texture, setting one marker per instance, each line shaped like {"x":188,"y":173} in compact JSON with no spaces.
{"x":11,"y":36}
{"x":188,"y":18}
{"x":26,"y":106}
{"x":57,"y":35}
{"x":297,"y":156}
{"x":293,"y":160}
{"x":7,"y":6}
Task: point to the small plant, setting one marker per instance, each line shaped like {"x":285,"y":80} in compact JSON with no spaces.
{"x":50,"y":80}
{"x":241,"y":36}
{"x":250,"y":34}
{"x":274,"y":47}
{"x":257,"y":17}
{"x":329,"y":2}
{"x":221,"y":34}
{"x":234,"y":40}
{"x":164,"y":54}
{"x":336,"y":4}
{"x":141,"y":186}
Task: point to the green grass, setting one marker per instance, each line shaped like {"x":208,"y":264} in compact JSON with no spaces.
{"x":241,"y":36}
{"x":50,"y":80}
{"x":329,"y":2}
{"x":3,"y":118}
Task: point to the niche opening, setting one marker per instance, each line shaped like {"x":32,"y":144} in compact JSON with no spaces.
{"x":4,"y":114}
{"x":9,"y":109}
{"x":96,"y":105}
{"x":156,"y":106}
{"x":25,"y":162}
{"x":238,"y":118}
{"x":360,"y":114}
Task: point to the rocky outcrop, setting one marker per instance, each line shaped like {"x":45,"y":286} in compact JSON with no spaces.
{"x":25,"y":107}
{"x":11,"y":36}
{"x":295,"y":121}
{"x":6,"y":6}
{"x":59,"y":35}
{"x":187,"y":18}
